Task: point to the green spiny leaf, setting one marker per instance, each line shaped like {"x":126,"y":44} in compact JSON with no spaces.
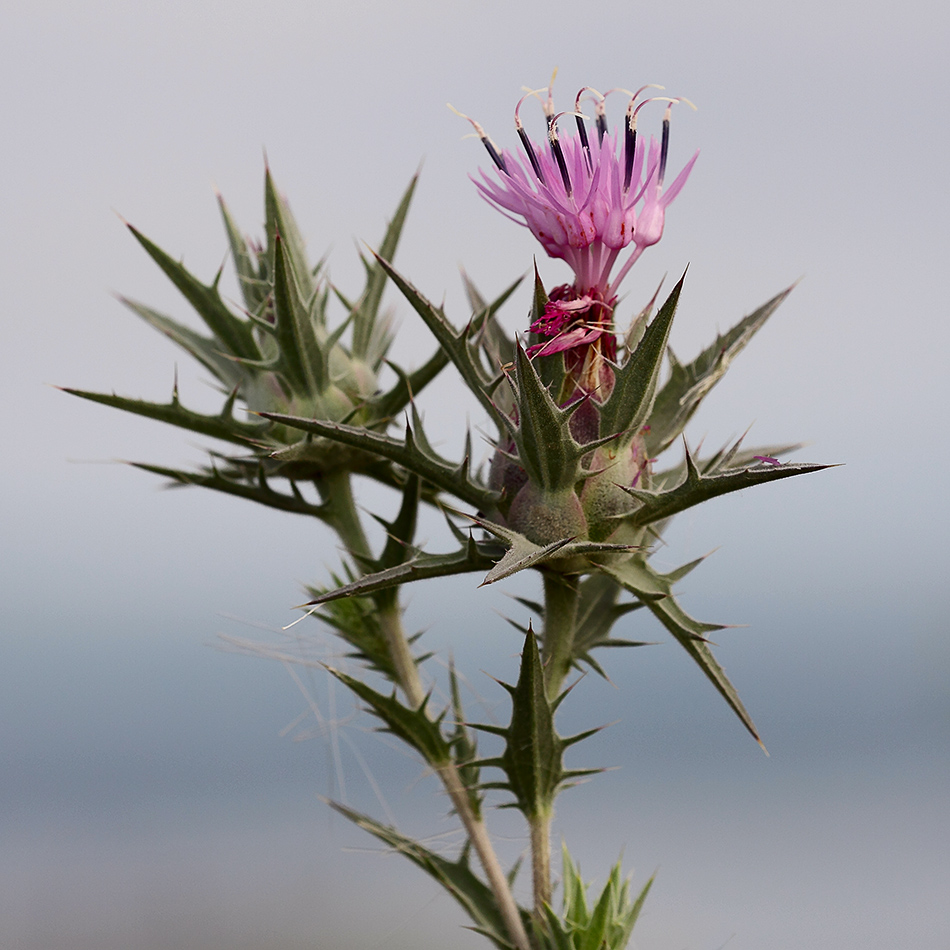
{"x":401,"y":530}
{"x":455,"y":876}
{"x":408,"y":385}
{"x":301,"y":360}
{"x":552,"y":934}
{"x":532,"y":760}
{"x":206,"y":350}
{"x":573,"y":891}
{"x":413,"y":726}
{"x":696,"y":488}
{"x":607,"y":926}
{"x":546,"y":448}
{"x":367,"y":308}
{"x":551,"y":370}
{"x":498,"y":346}
{"x":281,"y":222}
{"x":456,"y":345}
{"x":597,"y":612}
{"x":733,"y":457}
{"x":629,"y":918}
{"x":432,"y":468}
{"x":475,"y":299}
{"x":356,"y":621}
{"x":234,"y":333}
{"x":638,"y":325}
{"x":464,"y":747}
{"x":729,"y":457}
{"x":688,"y":385}
{"x":224,"y":427}
{"x":629,"y":404}
{"x":522,"y":553}
{"x":473,"y":557}
{"x":595,"y":934}
{"x":655,"y":590}
{"x":259,"y":491}
{"x":254,"y":286}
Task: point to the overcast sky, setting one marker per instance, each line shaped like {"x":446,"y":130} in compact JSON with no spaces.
{"x":148,"y":799}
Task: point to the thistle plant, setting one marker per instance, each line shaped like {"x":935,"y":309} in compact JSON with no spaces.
{"x":588,"y":466}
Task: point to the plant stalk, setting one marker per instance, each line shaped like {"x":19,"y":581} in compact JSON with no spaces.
{"x":561,"y":594}
{"x":344,"y":518}
{"x":336,"y":490}
{"x":541,"y":861}
{"x":474,"y":826}
{"x":477,"y":833}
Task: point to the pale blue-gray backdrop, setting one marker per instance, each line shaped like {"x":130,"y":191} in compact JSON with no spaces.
{"x":149,"y":798}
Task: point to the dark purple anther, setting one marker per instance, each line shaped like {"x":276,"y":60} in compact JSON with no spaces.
{"x":558,"y":153}
{"x":585,"y":144}
{"x":529,"y":150}
{"x":664,"y":145}
{"x":495,"y":154}
{"x":601,"y":119}
{"x":629,"y":148}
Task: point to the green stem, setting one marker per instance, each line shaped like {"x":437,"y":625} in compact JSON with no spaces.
{"x":541,"y":861}
{"x":400,"y":651}
{"x":336,"y":491}
{"x":561,"y":594}
{"x":560,"y":620}
{"x":477,"y":833}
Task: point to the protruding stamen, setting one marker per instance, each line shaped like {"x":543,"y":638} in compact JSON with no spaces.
{"x":666,"y":128}
{"x":601,"y":110}
{"x":548,"y":104}
{"x":630,"y":133}
{"x":490,"y":146}
{"x":558,"y":153}
{"x":580,"y":118}
{"x":649,"y":85}
{"x":529,"y":150}
{"x":596,"y":97}
{"x":652,"y":99}
{"x":629,"y":144}
{"x":527,"y":94}
{"x":582,"y":135}
{"x":600,"y":117}
{"x":665,"y":144}
{"x":525,"y":141}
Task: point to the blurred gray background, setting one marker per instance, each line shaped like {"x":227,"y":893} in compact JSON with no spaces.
{"x":151,"y":795}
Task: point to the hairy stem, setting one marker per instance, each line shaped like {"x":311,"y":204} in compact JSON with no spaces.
{"x":336,"y":491}
{"x":481,"y":841}
{"x":560,"y":620}
{"x":541,"y":861}
{"x":557,"y":643}
{"x":407,"y":674}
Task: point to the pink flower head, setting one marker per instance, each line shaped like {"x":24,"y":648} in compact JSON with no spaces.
{"x":586,"y":197}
